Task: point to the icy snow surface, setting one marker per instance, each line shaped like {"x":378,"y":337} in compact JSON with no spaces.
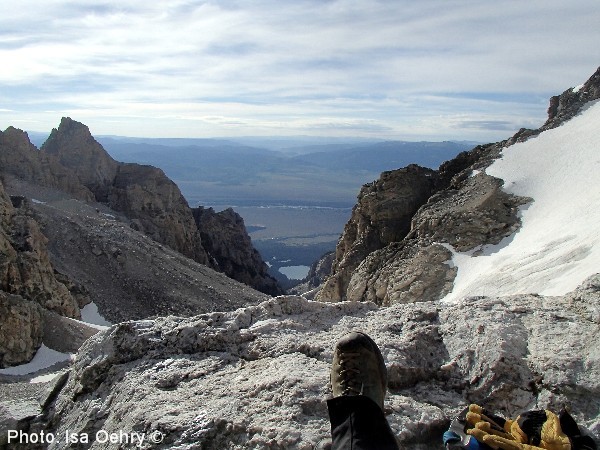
{"x":45,"y":357}
{"x":558,"y":245}
{"x":91,"y":316}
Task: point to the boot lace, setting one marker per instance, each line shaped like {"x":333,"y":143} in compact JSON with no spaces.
{"x":351,"y":385}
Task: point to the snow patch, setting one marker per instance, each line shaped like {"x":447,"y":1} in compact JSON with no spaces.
{"x":45,"y":378}
{"x":44,"y":358}
{"x":91,"y":316}
{"x":558,"y":245}
{"x":577,"y":88}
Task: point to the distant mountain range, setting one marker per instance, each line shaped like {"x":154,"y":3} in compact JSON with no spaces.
{"x":286,"y":171}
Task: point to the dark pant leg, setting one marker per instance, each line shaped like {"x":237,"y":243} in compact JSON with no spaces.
{"x":357,"y":423}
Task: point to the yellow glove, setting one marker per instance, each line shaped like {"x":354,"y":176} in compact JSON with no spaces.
{"x":513,"y":437}
{"x":496,"y":442}
{"x":552,"y":436}
{"x":483,"y":424}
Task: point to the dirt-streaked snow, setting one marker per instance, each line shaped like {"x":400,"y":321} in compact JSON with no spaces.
{"x":45,"y":357}
{"x":558,"y":245}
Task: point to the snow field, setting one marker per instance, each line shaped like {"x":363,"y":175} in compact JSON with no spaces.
{"x":558,"y":245}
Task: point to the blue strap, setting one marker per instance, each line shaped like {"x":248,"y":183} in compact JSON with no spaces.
{"x":471,"y":444}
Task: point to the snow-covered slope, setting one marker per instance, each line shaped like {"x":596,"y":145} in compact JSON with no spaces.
{"x":558,"y":245}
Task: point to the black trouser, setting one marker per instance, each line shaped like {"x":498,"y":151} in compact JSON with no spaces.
{"x":357,"y":423}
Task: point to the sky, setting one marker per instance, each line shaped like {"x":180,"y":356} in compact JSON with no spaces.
{"x":412,"y":70}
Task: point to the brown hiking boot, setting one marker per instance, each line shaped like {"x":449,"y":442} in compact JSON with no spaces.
{"x":358,"y":368}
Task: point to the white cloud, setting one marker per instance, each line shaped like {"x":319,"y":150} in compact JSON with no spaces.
{"x":384,"y":64}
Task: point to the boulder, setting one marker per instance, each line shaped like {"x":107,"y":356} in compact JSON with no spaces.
{"x":21,"y":329}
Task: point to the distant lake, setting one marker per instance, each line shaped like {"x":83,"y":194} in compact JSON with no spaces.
{"x":291,"y":238}
{"x":295,"y":272}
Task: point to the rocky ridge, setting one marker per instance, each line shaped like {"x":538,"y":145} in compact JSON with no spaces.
{"x":144,"y":194}
{"x":71,"y":160}
{"x":464,"y":207}
{"x":70,"y":235}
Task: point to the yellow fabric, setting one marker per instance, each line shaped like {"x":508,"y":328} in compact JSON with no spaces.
{"x":552,"y":436}
{"x":518,"y":434}
{"x":496,"y":442}
{"x":513,"y":438}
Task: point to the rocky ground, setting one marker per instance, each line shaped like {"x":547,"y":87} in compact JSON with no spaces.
{"x":258,"y":377}
{"x":127,"y":274}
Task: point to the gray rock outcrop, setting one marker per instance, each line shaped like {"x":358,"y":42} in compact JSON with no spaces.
{"x":21,"y":159}
{"x":157,"y":208}
{"x":258,"y":377}
{"x":20,"y":329}
{"x":75,"y":148}
{"x":381,"y":216}
{"x":25,"y":267}
{"x":230,"y":248}
{"x":28,"y":284}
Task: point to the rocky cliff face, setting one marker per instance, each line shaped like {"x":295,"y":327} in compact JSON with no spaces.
{"x":464,"y":208}
{"x":20,"y":329}
{"x":20,"y":158}
{"x":74,"y":148}
{"x":25,"y":264}
{"x":157,"y":208}
{"x":143,"y":193}
{"x":228,"y":244}
{"x":382,"y":216}
{"x":258,"y":377}
{"x":28,"y":284}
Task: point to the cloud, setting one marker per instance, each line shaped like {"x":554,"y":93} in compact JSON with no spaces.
{"x":360,"y":66}
{"x":503,"y":125}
